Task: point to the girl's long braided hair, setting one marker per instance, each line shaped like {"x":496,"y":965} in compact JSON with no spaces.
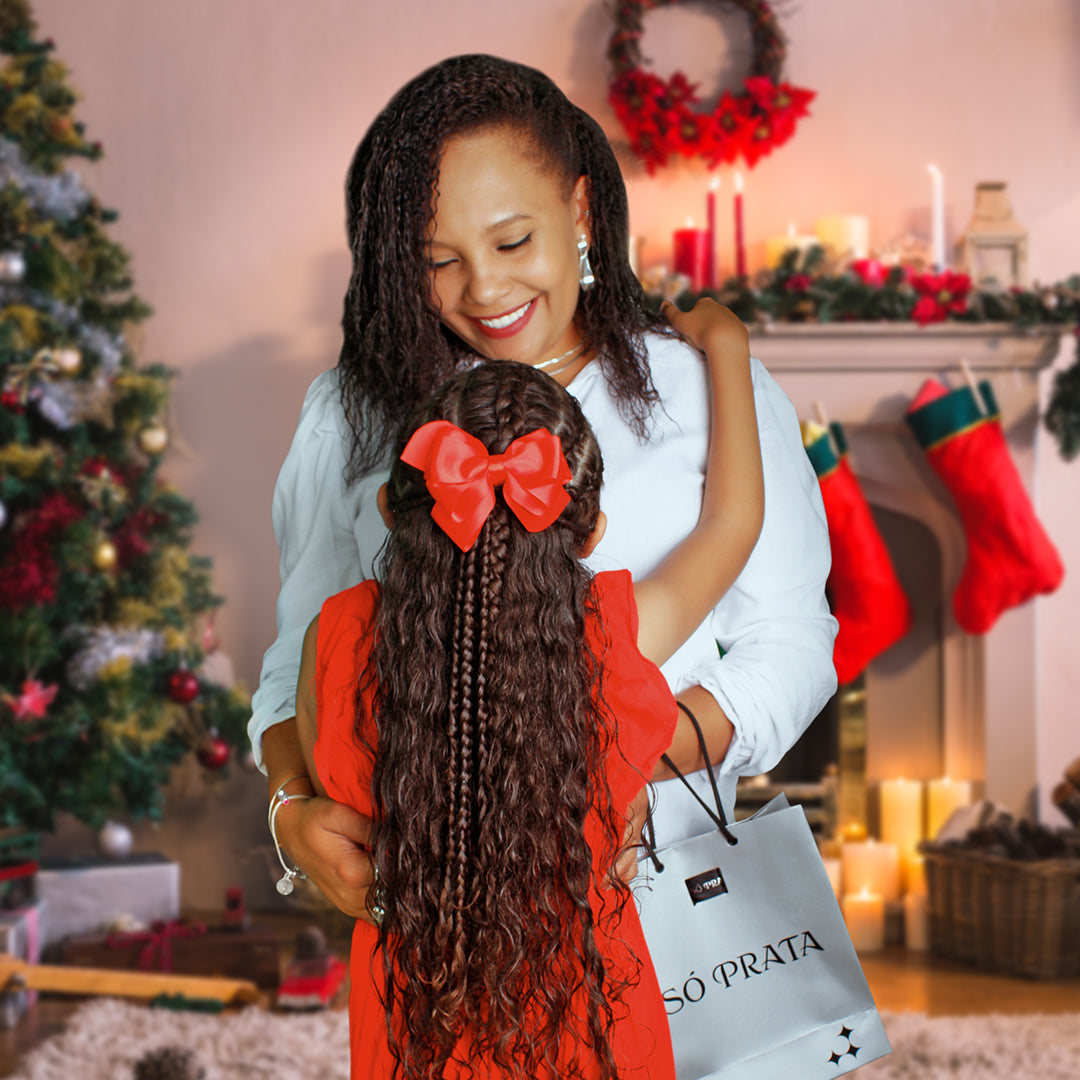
{"x":395,"y":351}
{"x":492,"y":739}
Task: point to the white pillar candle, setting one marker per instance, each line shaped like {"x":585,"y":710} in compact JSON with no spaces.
{"x":915,"y":874}
{"x":872,"y":867}
{"x":864,"y":914}
{"x":942,"y":798}
{"x":916,"y":922}
{"x":844,"y":236}
{"x":937,"y":218}
{"x":901,"y":814}
{"x":776,"y":247}
{"x":833,"y":868}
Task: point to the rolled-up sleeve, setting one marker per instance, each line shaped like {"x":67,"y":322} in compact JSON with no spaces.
{"x":314,"y":520}
{"x":774,"y":623}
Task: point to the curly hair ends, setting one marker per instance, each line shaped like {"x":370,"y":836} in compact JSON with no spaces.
{"x":492,"y":741}
{"x":395,"y":351}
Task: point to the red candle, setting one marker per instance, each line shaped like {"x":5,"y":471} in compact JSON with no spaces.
{"x":691,"y":249}
{"x":712,"y":280}
{"x":740,"y":245}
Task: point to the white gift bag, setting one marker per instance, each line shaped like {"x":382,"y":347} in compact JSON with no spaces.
{"x":758,"y":972}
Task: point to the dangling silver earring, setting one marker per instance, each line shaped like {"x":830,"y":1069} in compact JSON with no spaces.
{"x":586,"y":278}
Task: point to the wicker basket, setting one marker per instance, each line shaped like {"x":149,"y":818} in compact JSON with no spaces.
{"x":1019,"y":918}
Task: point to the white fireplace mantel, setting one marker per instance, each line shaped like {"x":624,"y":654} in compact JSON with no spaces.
{"x":865,"y":375}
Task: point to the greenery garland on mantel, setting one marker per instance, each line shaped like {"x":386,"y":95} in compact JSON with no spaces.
{"x":804,"y":290}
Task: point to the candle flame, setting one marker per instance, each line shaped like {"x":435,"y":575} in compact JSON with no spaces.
{"x":933,"y":170}
{"x":791,"y":228}
{"x":689,"y":222}
{"x":738,"y":183}
{"x":714,"y":184}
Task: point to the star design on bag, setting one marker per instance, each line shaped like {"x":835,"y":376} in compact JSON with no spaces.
{"x":852,"y":1049}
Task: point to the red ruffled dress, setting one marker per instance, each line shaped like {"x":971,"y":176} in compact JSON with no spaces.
{"x":637,"y":695}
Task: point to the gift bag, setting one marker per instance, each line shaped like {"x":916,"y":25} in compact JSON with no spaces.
{"x":758,"y":973}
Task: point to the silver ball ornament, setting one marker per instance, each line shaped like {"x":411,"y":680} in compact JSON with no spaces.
{"x":3,"y":515}
{"x":12,"y":266}
{"x":115,"y":840}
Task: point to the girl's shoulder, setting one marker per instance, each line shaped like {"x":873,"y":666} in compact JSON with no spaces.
{"x":344,"y":619}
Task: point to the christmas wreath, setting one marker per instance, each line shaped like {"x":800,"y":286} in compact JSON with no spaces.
{"x":660,"y":117}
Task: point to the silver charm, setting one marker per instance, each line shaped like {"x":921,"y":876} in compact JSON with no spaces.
{"x":586,"y":278}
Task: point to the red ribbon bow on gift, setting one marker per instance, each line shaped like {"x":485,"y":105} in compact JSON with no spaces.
{"x":156,"y":942}
{"x":461,"y":477}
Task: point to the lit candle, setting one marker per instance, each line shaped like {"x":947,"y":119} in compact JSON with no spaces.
{"x":937,"y":217}
{"x":691,"y":254}
{"x":942,"y":798}
{"x":916,"y":922}
{"x":833,"y":869}
{"x":864,"y":914}
{"x":872,"y":867}
{"x":844,"y":236}
{"x":712,"y":280}
{"x":915,"y":874}
{"x":777,"y":246}
{"x":901,"y":814}
{"x":740,"y":244}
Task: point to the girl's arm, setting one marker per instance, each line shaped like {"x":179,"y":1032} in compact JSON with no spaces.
{"x":677,"y":596}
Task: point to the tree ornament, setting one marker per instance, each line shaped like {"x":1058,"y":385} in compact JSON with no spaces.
{"x":213,"y":752}
{"x":68,"y":359}
{"x":105,"y":555}
{"x":866,"y":597}
{"x":12,"y":266}
{"x":153,"y":439}
{"x":3,"y":514}
{"x":182,"y":687}
{"x":657,"y":114}
{"x":115,"y":840}
{"x":1010,"y":558}
{"x":33,"y":702}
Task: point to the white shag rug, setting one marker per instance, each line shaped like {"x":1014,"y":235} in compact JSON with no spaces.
{"x":106,"y":1037}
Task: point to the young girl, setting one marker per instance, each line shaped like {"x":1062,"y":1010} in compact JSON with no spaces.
{"x":495,"y":708}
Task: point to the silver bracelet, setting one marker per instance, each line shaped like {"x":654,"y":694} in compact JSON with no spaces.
{"x":280,"y":799}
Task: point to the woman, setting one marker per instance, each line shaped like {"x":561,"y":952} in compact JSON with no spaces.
{"x":487,"y":218}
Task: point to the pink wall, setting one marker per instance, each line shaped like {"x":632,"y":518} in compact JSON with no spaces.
{"x":228,"y":126}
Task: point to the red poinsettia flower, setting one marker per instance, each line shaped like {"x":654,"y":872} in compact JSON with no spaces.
{"x":33,"y":702}
{"x":870,"y":271}
{"x":760,"y":140}
{"x":798,"y":283}
{"x":680,"y":89}
{"x":939,"y":295}
{"x":789,"y":105}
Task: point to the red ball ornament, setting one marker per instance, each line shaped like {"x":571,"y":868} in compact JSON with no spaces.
{"x":213,"y":753}
{"x":183,"y":687}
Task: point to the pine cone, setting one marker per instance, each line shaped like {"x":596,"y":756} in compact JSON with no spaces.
{"x":169,"y":1063}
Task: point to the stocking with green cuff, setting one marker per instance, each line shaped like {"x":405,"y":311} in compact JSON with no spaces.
{"x":865,"y":595}
{"x":1010,"y":558}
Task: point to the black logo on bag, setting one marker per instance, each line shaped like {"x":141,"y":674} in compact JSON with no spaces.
{"x":706,"y":886}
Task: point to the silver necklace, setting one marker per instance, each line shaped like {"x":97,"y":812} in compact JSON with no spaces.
{"x":557,"y":359}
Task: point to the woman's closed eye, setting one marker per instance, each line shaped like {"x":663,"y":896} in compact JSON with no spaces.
{"x":517,"y":244}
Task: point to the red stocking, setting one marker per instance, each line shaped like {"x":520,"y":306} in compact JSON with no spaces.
{"x":1010,"y":558}
{"x":867,"y":599}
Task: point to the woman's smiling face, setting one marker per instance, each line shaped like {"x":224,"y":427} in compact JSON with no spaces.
{"x":503,"y":248}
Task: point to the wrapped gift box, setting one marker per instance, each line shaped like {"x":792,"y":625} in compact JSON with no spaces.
{"x":184,"y":948}
{"x":20,"y":935}
{"x":86,"y":894}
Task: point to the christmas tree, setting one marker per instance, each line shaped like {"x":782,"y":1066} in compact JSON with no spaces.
{"x":105,"y":616}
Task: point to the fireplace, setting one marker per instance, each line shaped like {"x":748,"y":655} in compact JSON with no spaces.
{"x":941,"y":701}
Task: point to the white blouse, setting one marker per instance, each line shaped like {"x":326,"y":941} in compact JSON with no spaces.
{"x":773,"y":625}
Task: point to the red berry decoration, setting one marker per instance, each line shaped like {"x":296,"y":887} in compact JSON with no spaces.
{"x":213,"y":753}
{"x":183,"y":687}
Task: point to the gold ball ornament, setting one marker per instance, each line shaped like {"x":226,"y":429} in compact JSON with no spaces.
{"x":68,"y":359}
{"x":105,"y":555}
{"x":153,"y":439}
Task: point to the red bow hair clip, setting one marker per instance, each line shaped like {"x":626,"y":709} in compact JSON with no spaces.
{"x":461,"y":477}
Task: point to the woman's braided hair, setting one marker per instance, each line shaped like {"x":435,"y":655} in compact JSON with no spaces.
{"x":395,"y":351}
{"x":492,"y":741}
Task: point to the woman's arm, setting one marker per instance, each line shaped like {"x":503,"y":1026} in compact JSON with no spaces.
{"x":677,"y":596}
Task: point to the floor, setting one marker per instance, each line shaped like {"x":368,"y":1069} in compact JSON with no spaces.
{"x":901,"y":981}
